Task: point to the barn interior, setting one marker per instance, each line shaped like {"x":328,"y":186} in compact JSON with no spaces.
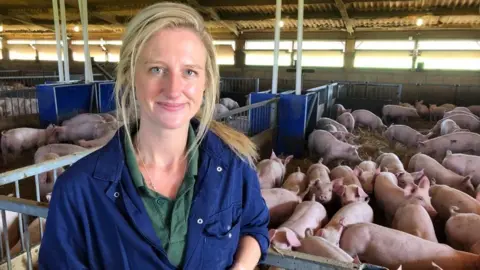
{"x":287,"y":64}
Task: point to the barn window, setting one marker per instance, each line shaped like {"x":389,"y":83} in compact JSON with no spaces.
{"x":449,"y":54}
{"x":393,"y":54}
{"x":225,"y":50}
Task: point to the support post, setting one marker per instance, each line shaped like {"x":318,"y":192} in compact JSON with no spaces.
{"x":298,"y":80}
{"x":66,"y":64}
{"x":278,"y":17}
{"x":61,"y":78}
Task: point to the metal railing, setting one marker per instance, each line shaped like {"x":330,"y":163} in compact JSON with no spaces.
{"x":251,"y":119}
{"x":18,"y":103}
{"x":33,"y":80}
{"x":239,"y":85}
{"x":26,"y":208}
{"x":370,"y":91}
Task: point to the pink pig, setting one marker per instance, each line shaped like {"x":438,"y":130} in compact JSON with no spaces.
{"x":349,"y":193}
{"x":272,"y":171}
{"x":414,"y":219}
{"x":455,"y":142}
{"x":320,"y":185}
{"x":464,"y":165}
{"x":296,"y":182}
{"x":280,"y":203}
{"x":327,"y":146}
{"x":405,"y":135}
{"x":307,"y":215}
{"x":347,"y":120}
{"x":444,"y":197}
{"x":352,"y":213}
{"x":392,"y":248}
{"x":368,"y":119}
{"x":462,"y":231}
{"x":390,"y":197}
{"x":464,"y":121}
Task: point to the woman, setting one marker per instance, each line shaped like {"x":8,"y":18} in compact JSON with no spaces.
{"x":174,"y":189}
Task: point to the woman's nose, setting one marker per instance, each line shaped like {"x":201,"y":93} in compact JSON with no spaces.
{"x":174,"y":85}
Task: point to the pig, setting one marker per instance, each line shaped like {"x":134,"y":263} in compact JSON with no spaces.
{"x":272,"y":171}
{"x":97,"y":142}
{"x":85,"y":131}
{"x":422,"y":110}
{"x":443,"y":176}
{"x":464,"y":121}
{"x":229,"y":103}
{"x":344,"y":136}
{"x":318,"y":246}
{"x":349,"y":176}
{"x":46,"y":179}
{"x":12,"y":227}
{"x":368,"y":119}
{"x":347,"y":120}
{"x":398,"y":112}
{"x":307,"y":215}
{"x":14,"y":141}
{"x":391,"y":163}
{"x":458,"y":142}
{"x":61,"y":149}
{"x":466,"y":165}
{"x":339,"y":109}
{"x":407,"y":105}
{"x":367,"y":178}
{"x":414,"y":219}
{"x":391,"y":248}
{"x":448,"y":106}
{"x":405,"y":135}
{"x":367,"y":166}
{"x":107,"y":117}
{"x":454,"y":112}
{"x":390,"y":197}
{"x":34,"y":231}
{"x":475,"y":109}
{"x":320,"y":185}
{"x":330,"y":128}
{"x":327,"y":146}
{"x":323,"y":122}
{"x":443,"y":197}
{"x":219,"y":110}
{"x":462,"y":231}
{"x":84,"y":118}
{"x":358,"y":212}
{"x":449,"y":126}
{"x":349,"y":193}
{"x":436,"y":112}
{"x":280,"y":203}
{"x":296,"y":182}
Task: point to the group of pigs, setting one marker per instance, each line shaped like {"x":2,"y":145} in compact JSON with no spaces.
{"x":440,"y":184}
{"x":300,"y":206}
{"x":73,"y":135}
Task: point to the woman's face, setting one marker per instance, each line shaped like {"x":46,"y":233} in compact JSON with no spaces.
{"x":170,"y":78}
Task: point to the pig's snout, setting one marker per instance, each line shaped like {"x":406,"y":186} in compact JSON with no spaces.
{"x":431,"y":211}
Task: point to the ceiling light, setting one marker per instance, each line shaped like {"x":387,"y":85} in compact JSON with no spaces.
{"x":1,"y":27}
{"x":76,"y":28}
{"x":419,"y":22}
{"x":281,"y":24}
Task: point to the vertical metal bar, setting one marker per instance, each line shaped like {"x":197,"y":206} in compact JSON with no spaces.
{"x":57,"y":39}
{"x":7,"y":245}
{"x":298,"y":79}
{"x":20,"y":223}
{"x":27,"y":243}
{"x":278,"y":15}
{"x":64,"y":38}
{"x":1,"y":246}
{"x":37,"y":192}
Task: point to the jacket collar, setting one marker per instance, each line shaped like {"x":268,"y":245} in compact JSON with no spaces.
{"x":111,"y":157}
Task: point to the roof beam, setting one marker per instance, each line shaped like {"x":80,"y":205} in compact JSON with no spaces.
{"x":238,"y":3}
{"x":292,"y":15}
{"x":213,"y":14}
{"x":106,"y":18}
{"x":26,"y":22}
{"x":343,"y":12}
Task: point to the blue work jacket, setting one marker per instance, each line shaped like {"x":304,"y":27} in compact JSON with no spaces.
{"x":97,"y":219}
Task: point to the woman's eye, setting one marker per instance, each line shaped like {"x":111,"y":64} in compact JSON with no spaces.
{"x":190,"y":72}
{"x":155,"y":70}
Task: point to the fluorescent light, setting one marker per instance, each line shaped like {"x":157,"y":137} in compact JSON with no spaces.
{"x":281,"y":24}
{"x":76,"y":28}
{"x":419,"y":22}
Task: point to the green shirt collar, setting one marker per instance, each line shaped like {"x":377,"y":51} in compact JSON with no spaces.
{"x":131,"y":161}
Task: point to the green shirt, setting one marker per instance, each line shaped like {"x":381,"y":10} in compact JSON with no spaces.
{"x":169,"y":217}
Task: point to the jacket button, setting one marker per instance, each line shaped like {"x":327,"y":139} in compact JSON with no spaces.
{"x":116,"y":194}
{"x":229,"y":235}
{"x":219,"y":169}
{"x":199,"y":221}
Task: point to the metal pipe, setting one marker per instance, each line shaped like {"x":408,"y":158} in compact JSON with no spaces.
{"x":20,"y":218}
{"x":82,"y":5}
{"x":66,"y":64}
{"x":298,"y":86}
{"x":278,"y":17}
{"x":57,"y":39}
{"x":5,"y":234}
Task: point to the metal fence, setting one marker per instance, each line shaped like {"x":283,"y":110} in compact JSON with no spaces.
{"x":30,"y":81}
{"x":18,"y":103}
{"x":251,"y":119}
{"x":27,"y":209}
{"x":27,"y":256}
{"x":461,"y":95}
{"x":239,"y":85}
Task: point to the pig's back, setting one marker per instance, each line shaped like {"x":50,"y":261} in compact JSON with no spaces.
{"x":443,"y":197}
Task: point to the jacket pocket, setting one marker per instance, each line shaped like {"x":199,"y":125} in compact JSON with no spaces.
{"x":221,"y":236}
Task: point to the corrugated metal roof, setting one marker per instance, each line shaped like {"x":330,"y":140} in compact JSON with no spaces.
{"x":270,"y":9}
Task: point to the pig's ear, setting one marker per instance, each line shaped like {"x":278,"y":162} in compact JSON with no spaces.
{"x":292,"y":239}
{"x":337,"y":182}
{"x":320,"y":161}
{"x":48,"y":196}
{"x":298,"y":169}
{"x":309,"y":232}
{"x":421,"y":143}
{"x":400,"y":174}
{"x":424,"y":183}
{"x":436,"y":267}
{"x":409,"y":189}
{"x":360,"y":193}
{"x":271,"y":234}
{"x":357,"y":171}
{"x":287,"y":160}
{"x":339,"y":190}
{"x":272,"y":156}
{"x":400,"y":267}
{"x":341,"y":222}
{"x":318,"y":233}
{"x":349,"y":110}
{"x":378,"y":171}
{"x":467,"y":179}
{"x":356,"y":260}
{"x":477,"y":197}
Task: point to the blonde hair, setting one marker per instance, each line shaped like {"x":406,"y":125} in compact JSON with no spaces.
{"x":138,"y":31}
